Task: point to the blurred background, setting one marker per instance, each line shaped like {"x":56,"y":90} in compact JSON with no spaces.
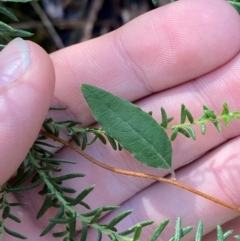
{"x":60,"y":23}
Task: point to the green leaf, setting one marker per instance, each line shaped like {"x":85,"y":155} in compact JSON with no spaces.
{"x":45,"y":206}
{"x":133,"y":228}
{"x":99,"y":237}
{"x":137,"y":233}
{"x":8,"y":13}
{"x":220,"y":234}
{"x":155,"y":2}
{"x":203,"y":128}
{"x":134,"y":129}
{"x":236,"y":5}
{"x":24,"y":188}
{"x":183,"y":114}
{"x":191,"y":132}
{"x":60,"y":234}
{"x":189,"y":115}
{"x":84,"y":232}
{"x":119,"y":218}
{"x":52,"y":225}
{"x":159,"y":230}
{"x":184,"y":132}
{"x":217,"y":125}
{"x":14,"y":218}
{"x":178,"y":229}
{"x":81,"y":196}
{"x":104,"y":208}
{"x":164,"y":118}
{"x":6,"y":212}
{"x":199,"y":232}
{"x":96,"y":217}
{"x":227,"y":234}
{"x":174,"y":134}
{"x":14,"y":234}
{"x":66,"y":177}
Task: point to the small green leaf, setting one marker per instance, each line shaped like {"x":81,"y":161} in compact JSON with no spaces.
{"x":112,"y":142}
{"x":227,"y":234}
{"x":220,"y":234}
{"x":8,"y":13}
{"x":159,"y":230}
{"x":191,"y":132}
{"x":14,"y":234}
{"x":52,"y":225}
{"x":118,"y":219}
{"x":178,"y":229}
{"x":67,"y":177}
{"x":184,"y":132}
{"x":189,"y":116}
{"x":96,"y":217}
{"x":133,"y":228}
{"x":6,"y":212}
{"x":81,"y":196}
{"x":60,"y":234}
{"x":14,"y":218}
{"x":237,"y":237}
{"x":164,"y":118}
{"x":104,"y":208}
{"x":134,"y":129}
{"x":137,"y":233}
{"x":183,"y":114}
{"x":174,"y":134}
{"x":84,"y":232}
{"x":99,"y":237}
{"x":45,"y":206}
{"x":203,"y":128}
{"x":199,"y":232}
{"x":24,"y":188}
{"x":155,"y":2}
{"x":217,"y":125}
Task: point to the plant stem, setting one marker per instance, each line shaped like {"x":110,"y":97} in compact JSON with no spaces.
{"x":139,"y":174}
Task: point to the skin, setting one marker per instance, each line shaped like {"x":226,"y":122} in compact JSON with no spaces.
{"x":185,"y":52}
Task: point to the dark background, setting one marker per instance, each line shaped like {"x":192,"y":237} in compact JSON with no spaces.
{"x":60,"y":23}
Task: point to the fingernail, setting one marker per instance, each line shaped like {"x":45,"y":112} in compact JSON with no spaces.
{"x":14,"y":60}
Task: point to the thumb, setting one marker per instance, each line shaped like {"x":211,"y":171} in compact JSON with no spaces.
{"x":26,"y":89}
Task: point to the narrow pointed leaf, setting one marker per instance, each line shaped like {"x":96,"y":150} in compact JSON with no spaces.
{"x":119,"y":218}
{"x":60,"y":234}
{"x":134,"y":129}
{"x":133,"y":228}
{"x":227,"y":234}
{"x":8,"y":13}
{"x":183,"y":114}
{"x":14,"y":218}
{"x":191,"y":132}
{"x":174,"y":134}
{"x":45,"y":206}
{"x":203,"y":128}
{"x":159,"y":230}
{"x":14,"y":234}
{"x":164,"y":118}
{"x":81,"y":196}
{"x":96,"y":217}
{"x":199,"y":232}
{"x":84,"y":232}
{"x":137,"y":233}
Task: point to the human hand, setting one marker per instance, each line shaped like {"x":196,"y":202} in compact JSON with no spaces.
{"x":175,"y":54}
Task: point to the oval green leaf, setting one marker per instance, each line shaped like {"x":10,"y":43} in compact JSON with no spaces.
{"x":134,"y":129}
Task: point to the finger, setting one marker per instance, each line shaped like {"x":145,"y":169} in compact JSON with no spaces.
{"x":184,"y":150}
{"x":27,"y":85}
{"x":215,"y":174}
{"x":158,"y":50}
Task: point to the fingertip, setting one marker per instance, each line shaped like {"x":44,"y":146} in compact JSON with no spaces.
{"x":24,"y":103}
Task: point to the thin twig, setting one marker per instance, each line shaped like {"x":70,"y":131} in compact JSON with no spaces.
{"x":47,"y":23}
{"x":139,"y":174}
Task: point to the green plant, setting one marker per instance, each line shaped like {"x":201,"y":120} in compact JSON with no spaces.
{"x":40,"y":165}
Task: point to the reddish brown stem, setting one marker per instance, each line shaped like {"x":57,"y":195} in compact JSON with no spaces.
{"x":139,"y":174}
